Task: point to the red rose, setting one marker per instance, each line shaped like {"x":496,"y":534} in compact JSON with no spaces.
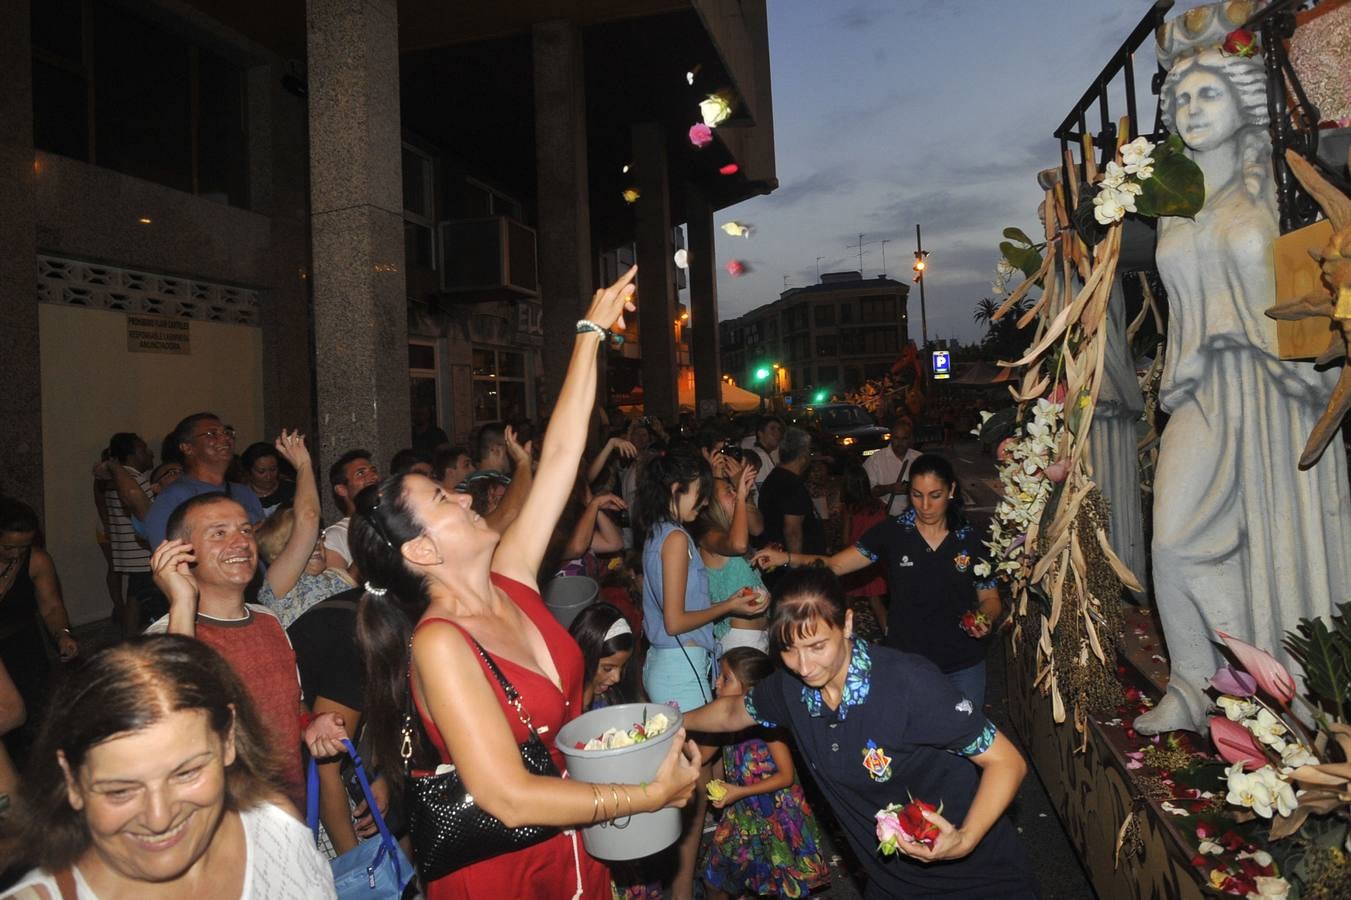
{"x":1240,"y":42}
{"x":973,"y":619}
{"x":914,"y":824}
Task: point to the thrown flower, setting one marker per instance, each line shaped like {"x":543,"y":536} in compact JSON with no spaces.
{"x":701,"y":135}
{"x":729,"y":169}
{"x":736,"y":229}
{"x":714,"y":109}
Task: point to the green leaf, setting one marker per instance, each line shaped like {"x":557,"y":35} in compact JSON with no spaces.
{"x":1177,"y":188}
{"x":1026,"y":259}
{"x":1325,"y":656}
{"x":1016,"y":234}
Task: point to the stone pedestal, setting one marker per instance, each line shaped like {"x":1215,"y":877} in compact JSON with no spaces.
{"x":21,"y":400}
{"x":656,"y":272}
{"x":703,"y":272}
{"x":561,"y":181}
{"x":356,"y":221}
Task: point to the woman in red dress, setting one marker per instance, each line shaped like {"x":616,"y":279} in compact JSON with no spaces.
{"x":428,"y":558}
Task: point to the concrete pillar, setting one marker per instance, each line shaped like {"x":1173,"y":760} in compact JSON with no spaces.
{"x":20,"y":365}
{"x":656,"y":272}
{"x":703,"y":273}
{"x":356,"y":226}
{"x":561,"y":182}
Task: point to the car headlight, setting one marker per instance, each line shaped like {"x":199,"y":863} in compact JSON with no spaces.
{"x":846,"y":441}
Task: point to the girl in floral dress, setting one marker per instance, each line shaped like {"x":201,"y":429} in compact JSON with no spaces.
{"x":768,"y":842}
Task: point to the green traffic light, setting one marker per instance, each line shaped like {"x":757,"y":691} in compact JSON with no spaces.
{"x":761,"y":373}
{"x":819,"y":397}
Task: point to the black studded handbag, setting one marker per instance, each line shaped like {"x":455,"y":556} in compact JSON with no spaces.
{"x":449,"y":830}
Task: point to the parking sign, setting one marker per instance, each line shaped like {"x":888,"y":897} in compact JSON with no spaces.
{"x":942,"y":364}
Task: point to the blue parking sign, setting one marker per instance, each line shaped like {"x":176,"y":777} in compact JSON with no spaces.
{"x":942,"y":364}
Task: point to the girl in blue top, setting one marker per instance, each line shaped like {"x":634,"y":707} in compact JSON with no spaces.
{"x":677,"y":615}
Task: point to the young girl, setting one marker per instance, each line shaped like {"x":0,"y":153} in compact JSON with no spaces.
{"x":724,"y":538}
{"x":867,"y":589}
{"x":677,"y":615}
{"x":768,"y":842}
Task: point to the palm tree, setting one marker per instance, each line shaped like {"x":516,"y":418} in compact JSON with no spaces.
{"x":985,"y":311}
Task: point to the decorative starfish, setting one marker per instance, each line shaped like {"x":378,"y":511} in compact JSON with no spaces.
{"x":1335,"y":303}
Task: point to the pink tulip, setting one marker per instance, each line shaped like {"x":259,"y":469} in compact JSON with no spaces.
{"x":1234,"y":682}
{"x":1269,"y":674}
{"x":1057,"y":471}
{"x":1236,"y":744}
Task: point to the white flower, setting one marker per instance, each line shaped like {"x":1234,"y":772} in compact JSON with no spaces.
{"x":1004,"y":267}
{"x":1261,"y":857}
{"x":1248,"y":790}
{"x":1282,"y":794}
{"x":1109,"y":206}
{"x":1236,"y":708}
{"x":714,"y":110}
{"x":982,"y":569}
{"x":1137,"y":158}
{"x":1113,"y":175}
{"x":1209,"y":847}
{"x":1269,"y":887}
{"x":1268,"y":729}
{"x":1296,"y":754}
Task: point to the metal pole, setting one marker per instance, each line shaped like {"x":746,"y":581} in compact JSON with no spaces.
{"x":923,"y":310}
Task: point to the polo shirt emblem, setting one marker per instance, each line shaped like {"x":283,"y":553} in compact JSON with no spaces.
{"x":905,"y":561}
{"x":876,"y":761}
{"x":963,"y":561}
{"x":964,"y":706}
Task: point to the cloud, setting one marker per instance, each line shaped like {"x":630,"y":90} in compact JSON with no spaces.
{"x":858,"y":17}
{"x":829,"y":182}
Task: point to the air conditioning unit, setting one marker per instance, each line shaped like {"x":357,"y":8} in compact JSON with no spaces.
{"x":488,"y":258}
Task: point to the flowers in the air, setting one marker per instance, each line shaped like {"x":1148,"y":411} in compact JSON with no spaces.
{"x":736,"y":229}
{"x":736,"y":268}
{"x":714,"y":109}
{"x":905,"y":824}
{"x":701,"y":135}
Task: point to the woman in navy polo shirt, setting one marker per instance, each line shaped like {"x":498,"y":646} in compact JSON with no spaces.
{"x":878,"y":727}
{"x":930,"y":552}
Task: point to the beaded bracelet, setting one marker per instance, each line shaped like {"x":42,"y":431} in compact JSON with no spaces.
{"x":586,"y":325}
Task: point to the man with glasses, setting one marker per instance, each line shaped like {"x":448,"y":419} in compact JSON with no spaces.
{"x":208,"y":448}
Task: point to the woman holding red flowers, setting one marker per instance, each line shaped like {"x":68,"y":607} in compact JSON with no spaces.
{"x":940,"y":608}
{"x":878,"y":727}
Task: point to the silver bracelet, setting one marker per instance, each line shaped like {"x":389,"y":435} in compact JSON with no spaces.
{"x":586,"y":325}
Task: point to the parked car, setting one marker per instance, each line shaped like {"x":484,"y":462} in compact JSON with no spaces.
{"x":843,"y":426}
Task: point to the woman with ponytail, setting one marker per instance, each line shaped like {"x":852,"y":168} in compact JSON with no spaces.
{"x":440,"y":582}
{"x":940,"y":608}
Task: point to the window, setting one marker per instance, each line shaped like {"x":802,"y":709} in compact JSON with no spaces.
{"x":138,"y":97}
{"x":827,"y":375}
{"x":419,"y":210}
{"x":423,"y":395}
{"x":825,"y":314}
{"x":499,"y":385}
{"x":846,"y":312}
{"x":827,"y":345}
{"x":877,"y":309}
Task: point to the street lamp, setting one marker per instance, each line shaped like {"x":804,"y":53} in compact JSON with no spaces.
{"x":920,"y":266}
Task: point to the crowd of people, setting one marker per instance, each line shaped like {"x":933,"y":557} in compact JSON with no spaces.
{"x":791,"y":603}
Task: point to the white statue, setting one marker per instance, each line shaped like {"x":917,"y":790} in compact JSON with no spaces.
{"x":1243,"y":541}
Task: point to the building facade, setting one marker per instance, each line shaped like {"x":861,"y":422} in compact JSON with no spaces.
{"x":829,"y":336}
{"x":355,"y":217}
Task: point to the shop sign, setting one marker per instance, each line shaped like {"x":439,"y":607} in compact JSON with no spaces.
{"x":158,"y":334}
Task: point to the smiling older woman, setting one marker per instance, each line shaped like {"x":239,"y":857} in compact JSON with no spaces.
{"x":151,"y":778}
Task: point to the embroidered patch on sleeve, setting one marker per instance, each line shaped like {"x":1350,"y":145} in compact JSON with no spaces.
{"x":750,"y":710}
{"x":980,"y":744}
{"x":872,"y":557}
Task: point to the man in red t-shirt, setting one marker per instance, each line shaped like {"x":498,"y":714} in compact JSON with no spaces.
{"x":203,"y":567}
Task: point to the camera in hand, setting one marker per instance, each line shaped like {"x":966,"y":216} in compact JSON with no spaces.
{"x":733,"y":453}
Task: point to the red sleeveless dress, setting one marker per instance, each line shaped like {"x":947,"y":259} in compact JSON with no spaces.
{"x":550,"y":870}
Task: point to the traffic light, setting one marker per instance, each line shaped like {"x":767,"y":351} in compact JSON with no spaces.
{"x":819,"y":397}
{"x":761,"y":373}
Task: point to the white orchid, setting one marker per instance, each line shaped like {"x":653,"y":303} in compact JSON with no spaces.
{"x":1113,"y":175}
{"x":1137,"y":158}
{"x":1004,"y":267}
{"x":1268,"y":729}
{"x":1248,"y":790}
{"x":1236,"y":709}
{"x":1282,"y":794}
{"x":1296,"y":754}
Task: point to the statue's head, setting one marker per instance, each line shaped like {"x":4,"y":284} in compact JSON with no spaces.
{"x":1209,"y":97}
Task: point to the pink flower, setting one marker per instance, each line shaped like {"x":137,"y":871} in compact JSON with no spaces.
{"x":889,"y":831}
{"x":1235,"y":682}
{"x":1236,"y":744}
{"x":1269,"y":674}
{"x":701,"y":135}
{"x":1057,"y":471}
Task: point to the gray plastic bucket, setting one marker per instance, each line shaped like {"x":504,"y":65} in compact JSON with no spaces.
{"x":642,"y":834}
{"x":568,"y":595}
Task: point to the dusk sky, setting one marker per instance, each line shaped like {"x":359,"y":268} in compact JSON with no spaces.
{"x":893,"y":112}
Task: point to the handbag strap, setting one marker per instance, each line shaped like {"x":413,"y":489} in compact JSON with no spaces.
{"x":387,"y":843}
{"x":513,"y":695}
